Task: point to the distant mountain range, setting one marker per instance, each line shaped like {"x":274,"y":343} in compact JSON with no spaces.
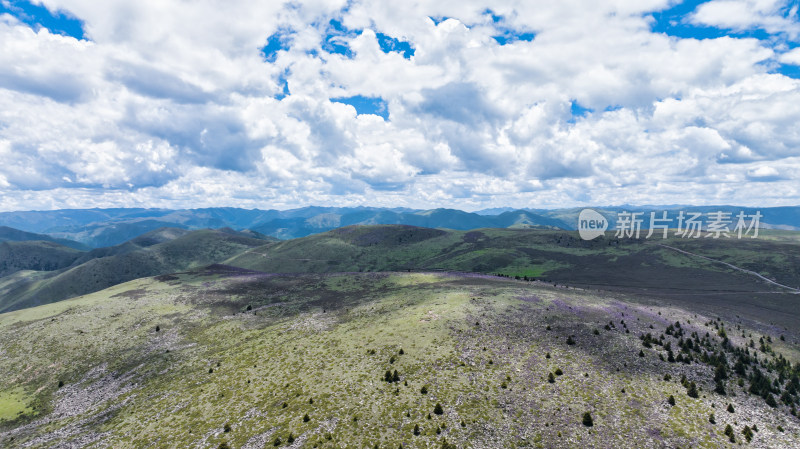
{"x":78,"y":228}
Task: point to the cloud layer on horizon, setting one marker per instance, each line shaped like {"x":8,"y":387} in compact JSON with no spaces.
{"x":434,"y":103}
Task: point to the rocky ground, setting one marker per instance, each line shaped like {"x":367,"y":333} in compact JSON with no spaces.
{"x":235,"y":358}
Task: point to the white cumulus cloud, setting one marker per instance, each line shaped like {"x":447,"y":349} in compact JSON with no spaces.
{"x":175,"y":104}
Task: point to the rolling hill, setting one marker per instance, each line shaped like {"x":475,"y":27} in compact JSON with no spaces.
{"x":655,"y":267}
{"x":689,"y":270}
{"x":159,"y":252}
{"x":35,"y":255}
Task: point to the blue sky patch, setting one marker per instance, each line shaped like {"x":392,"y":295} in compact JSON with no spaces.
{"x":505,"y":34}
{"x":283,"y":81}
{"x":366,"y":105}
{"x":35,"y":16}
{"x":280,"y":40}
{"x":510,"y":36}
{"x":495,"y":17}
{"x":438,"y":20}
{"x":578,"y":111}
{"x":389,"y":44}
{"x":675,"y":22}
{"x":792,"y":71}
{"x":335,"y":35}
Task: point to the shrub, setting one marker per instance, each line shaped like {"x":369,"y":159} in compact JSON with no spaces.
{"x":729,"y":433}
{"x":748,"y":433}
{"x":587,"y":419}
{"x":719,"y":388}
{"x":438,"y":409}
{"x":692,"y":390}
{"x":446,"y":445}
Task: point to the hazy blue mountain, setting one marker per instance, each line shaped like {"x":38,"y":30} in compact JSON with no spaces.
{"x":285,"y":228}
{"x":15,"y":235}
{"x":494,"y":210}
{"x":110,"y":227}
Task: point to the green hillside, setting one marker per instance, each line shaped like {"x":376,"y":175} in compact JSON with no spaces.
{"x":225,"y":357}
{"x":561,"y":257}
{"x":145,"y":256}
{"x":35,"y":255}
{"x":556,"y":255}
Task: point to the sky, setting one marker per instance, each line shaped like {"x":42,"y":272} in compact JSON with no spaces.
{"x":423,"y":104}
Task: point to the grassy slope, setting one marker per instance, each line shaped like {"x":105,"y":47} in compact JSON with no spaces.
{"x":478,"y":344}
{"x":139,"y":258}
